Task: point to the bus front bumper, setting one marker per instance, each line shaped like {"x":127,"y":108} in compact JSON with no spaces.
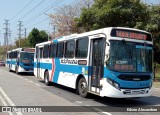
{"x":109,"y":91}
{"x":21,"y":69}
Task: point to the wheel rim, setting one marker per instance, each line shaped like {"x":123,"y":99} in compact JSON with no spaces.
{"x":46,"y":79}
{"x":83,"y":87}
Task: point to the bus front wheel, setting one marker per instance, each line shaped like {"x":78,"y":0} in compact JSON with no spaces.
{"x":46,"y":78}
{"x":82,"y":87}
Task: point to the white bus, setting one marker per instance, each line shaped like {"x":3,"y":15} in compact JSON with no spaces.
{"x":20,"y":60}
{"x":113,"y":62}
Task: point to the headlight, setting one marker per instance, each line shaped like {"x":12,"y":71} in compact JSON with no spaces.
{"x":113,"y":83}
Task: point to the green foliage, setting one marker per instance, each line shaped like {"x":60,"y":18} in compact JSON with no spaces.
{"x":153,"y":26}
{"x":33,"y":37}
{"x":113,"y":13}
{"x":123,"y":13}
{"x":23,"y":42}
{"x":36,"y":36}
{"x":3,"y":50}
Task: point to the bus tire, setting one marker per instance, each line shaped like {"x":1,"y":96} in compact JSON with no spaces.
{"x":46,"y":78}
{"x":82,"y":87}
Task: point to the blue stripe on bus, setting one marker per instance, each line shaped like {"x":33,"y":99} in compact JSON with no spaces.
{"x":11,"y":62}
{"x":75,"y":69}
{"x":143,"y":47}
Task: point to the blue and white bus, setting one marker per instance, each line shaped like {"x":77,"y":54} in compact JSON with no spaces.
{"x":20,"y":60}
{"x":114,"y":62}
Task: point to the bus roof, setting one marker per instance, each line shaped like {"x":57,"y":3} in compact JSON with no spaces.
{"x":22,"y":49}
{"x":106,"y":31}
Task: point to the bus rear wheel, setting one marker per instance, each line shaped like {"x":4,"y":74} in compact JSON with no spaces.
{"x":82,"y":87}
{"x":46,"y":78}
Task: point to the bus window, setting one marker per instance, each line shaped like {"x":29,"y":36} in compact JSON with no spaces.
{"x":60,"y":49}
{"x":53,"y":50}
{"x":82,"y":48}
{"x":41,"y":52}
{"x":69,"y":49}
{"x":46,"y":51}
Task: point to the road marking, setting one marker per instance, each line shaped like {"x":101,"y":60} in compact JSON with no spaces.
{"x":9,"y":100}
{"x":26,"y":79}
{"x":31,"y":81}
{"x":78,"y":101}
{"x":87,"y":105}
{"x":37,"y":84}
{"x":99,"y":110}
{"x":5,"y":104}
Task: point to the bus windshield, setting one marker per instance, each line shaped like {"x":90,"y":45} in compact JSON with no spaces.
{"x":130,"y":57}
{"x":27,"y":56}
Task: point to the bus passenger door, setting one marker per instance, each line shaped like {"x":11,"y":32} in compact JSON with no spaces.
{"x":97,"y":63}
{"x":39,"y":57}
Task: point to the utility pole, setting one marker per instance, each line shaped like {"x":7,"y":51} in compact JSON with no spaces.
{"x":19,"y":31}
{"x":6,"y":33}
{"x":25,"y":32}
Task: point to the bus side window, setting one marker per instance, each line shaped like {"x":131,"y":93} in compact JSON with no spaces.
{"x":60,"y":49}
{"x":46,"y":51}
{"x":82,"y":47}
{"x":70,"y":49}
{"x":53,"y":50}
{"x":36,"y":52}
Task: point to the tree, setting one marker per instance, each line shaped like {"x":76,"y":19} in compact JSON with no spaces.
{"x":64,"y":21}
{"x":153,"y":26}
{"x":36,"y":36}
{"x":23,"y":42}
{"x":113,"y":13}
{"x":65,"y":17}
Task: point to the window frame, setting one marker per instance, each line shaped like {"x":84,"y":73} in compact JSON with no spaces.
{"x":57,"y":52}
{"x":85,"y":37}
{"x":72,"y":51}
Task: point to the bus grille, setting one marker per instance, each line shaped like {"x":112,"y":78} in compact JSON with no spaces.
{"x":134,"y":77}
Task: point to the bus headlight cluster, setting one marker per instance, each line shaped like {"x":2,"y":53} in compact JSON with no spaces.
{"x":113,"y":83}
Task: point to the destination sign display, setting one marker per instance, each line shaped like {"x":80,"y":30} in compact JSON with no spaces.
{"x":131,"y":34}
{"x":29,"y":49}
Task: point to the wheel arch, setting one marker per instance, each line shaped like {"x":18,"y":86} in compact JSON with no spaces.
{"x":78,"y":78}
{"x":46,"y":70}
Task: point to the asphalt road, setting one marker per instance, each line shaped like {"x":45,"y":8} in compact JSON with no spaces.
{"x":27,"y":90}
